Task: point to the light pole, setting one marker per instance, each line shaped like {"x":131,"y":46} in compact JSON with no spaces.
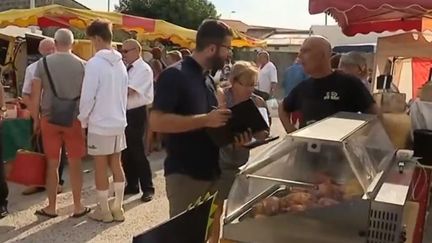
{"x":32,"y":4}
{"x":109,"y":5}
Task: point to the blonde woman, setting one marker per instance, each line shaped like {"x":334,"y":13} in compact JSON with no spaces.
{"x":243,"y":79}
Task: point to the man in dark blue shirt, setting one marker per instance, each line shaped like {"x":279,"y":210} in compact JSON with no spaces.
{"x":184,"y":106}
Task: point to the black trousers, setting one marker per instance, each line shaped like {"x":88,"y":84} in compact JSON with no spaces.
{"x":4,"y":191}
{"x":135,"y":163}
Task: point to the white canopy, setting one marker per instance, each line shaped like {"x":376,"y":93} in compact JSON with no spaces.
{"x":404,"y":46}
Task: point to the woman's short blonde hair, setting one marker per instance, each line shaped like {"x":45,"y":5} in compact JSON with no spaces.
{"x":245,"y":73}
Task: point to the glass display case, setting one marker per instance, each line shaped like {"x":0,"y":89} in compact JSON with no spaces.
{"x":316,"y":182}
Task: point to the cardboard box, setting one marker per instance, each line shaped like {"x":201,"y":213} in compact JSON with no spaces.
{"x":426,"y":93}
{"x":390,"y":102}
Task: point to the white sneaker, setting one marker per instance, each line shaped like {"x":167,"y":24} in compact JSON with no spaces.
{"x":100,"y":216}
{"x":117,"y":213}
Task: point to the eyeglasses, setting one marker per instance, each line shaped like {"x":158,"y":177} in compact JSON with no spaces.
{"x":126,"y":51}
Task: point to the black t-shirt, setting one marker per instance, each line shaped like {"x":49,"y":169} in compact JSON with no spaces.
{"x":184,"y":89}
{"x":317,"y":99}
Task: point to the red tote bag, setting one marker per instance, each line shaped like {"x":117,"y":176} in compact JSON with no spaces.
{"x":29,"y":169}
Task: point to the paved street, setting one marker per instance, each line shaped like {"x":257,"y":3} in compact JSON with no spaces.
{"x":23,"y":226}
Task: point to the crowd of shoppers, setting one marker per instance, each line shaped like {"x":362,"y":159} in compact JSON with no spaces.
{"x":104,"y":106}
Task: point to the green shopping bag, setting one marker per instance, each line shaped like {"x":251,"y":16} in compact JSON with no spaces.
{"x":16,"y":134}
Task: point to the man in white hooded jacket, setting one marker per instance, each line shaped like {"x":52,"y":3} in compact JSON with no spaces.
{"x":103,"y":112}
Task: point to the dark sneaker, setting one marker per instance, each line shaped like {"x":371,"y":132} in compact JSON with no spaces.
{"x":147,"y":196}
{"x":3,"y":211}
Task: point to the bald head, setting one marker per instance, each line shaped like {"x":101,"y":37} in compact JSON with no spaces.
{"x":46,"y":47}
{"x":319,"y":43}
{"x":315,"y":55}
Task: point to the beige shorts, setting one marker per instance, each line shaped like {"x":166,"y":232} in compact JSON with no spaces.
{"x":105,"y":145}
{"x":183,"y":190}
{"x":225,"y":182}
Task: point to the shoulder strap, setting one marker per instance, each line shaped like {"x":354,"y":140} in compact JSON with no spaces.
{"x":51,"y":81}
{"x":49,"y":77}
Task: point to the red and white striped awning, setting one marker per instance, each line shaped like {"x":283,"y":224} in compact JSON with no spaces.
{"x":365,"y":16}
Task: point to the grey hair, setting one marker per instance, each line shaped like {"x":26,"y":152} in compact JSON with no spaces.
{"x":264,"y":53}
{"x":353,"y":58}
{"x":64,"y":37}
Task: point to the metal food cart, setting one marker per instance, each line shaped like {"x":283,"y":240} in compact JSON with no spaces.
{"x":338,"y":180}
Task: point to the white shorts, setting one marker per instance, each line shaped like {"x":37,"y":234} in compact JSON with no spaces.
{"x":105,"y":145}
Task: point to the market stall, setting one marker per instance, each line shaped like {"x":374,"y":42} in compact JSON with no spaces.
{"x":338,"y":180}
{"x":145,"y":28}
{"x":21,"y":49}
{"x":13,"y":58}
{"x":377,"y":16}
{"x":366,"y":16}
{"x":412,"y":56}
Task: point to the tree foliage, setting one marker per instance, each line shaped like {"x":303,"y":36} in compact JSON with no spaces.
{"x":186,"y":13}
